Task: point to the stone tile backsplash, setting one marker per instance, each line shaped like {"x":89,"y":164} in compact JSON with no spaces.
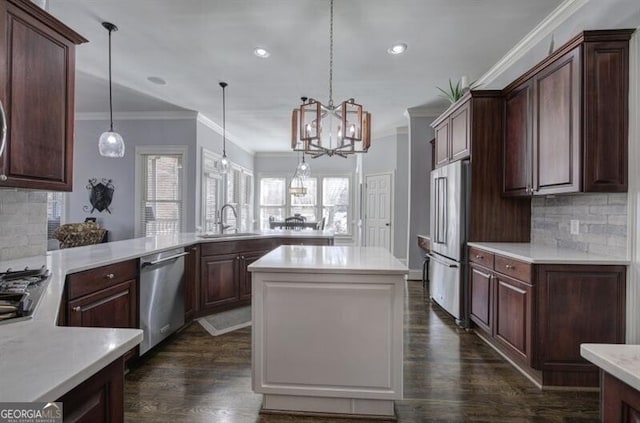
{"x":23,"y":223}
{"x":603,"y":222}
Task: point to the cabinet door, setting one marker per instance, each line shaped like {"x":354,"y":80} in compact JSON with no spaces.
{"x":38,"y":100}
{"x":245,"y":279}
{"x":191,"y":282}
{"x":99,"y":399}
{"x":578,"y":304}
{"x":113,"y":307}
{"x":556,"y":131}
{"x":513,"y":325}
{"x":516,"y":152}
{"x":219,"y":277}
{"x":619,"y":401}
{"x":460,"y":132}
{"x":442,"y":143}
{"x":480,"y":288}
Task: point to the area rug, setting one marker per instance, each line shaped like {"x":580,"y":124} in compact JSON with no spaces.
{"x":226,"y":321}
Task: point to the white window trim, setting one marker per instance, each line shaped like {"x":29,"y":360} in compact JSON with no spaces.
{"x":159,"y":150}
{"x":319,"y":175}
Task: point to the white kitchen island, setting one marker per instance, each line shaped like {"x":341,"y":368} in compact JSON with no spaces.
{"x":327,"y":330}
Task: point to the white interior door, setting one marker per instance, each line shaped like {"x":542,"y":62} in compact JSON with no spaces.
{"x":378,"y":210}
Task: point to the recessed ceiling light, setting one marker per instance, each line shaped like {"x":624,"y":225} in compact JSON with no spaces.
{"x":156,"y":80}
{"x":397,"y":48}
{"x":261,"y":53}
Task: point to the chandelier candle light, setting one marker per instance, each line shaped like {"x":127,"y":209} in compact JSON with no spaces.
{"x":224,"y":163}
{"x":110,"y":143}
{"x":320,"y":130}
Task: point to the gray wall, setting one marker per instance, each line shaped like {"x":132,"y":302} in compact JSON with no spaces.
{"x":603,"y":222}
{"x":389,"y":154}
{"x":89,"y":164}
{"x":420,"y":133}
{"x":23,"y":223}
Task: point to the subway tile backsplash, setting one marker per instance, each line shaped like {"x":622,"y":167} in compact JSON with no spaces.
{"x":23,"y":223}
{"x":602,"y":217}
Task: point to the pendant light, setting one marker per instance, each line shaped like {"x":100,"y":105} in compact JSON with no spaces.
{"x":340,"y":130}
{"x":304,"y":170}
{"x":224,"y":163}
{"x":110,"y":143}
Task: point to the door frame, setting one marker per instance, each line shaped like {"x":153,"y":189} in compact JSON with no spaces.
{"x":391,"y":203}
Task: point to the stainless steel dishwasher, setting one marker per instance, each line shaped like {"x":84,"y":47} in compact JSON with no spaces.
{"x":161,"y":296}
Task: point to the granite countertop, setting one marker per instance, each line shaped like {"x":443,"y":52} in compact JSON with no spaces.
{"x":545,"y":254}
{"x":329,"y":259}
{"x":619,"y":360}
{"x":40,"y":361}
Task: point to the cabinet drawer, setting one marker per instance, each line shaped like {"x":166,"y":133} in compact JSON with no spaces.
{"x":514,"y":268}
{"x":82,"y":283}
{"x":481,"y":257}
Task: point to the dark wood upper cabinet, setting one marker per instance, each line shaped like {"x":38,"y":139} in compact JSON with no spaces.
{"x":37,"y":77}
{"x":567,"y":119}
{"x":516,"y":179}
{"x":453,"y":133}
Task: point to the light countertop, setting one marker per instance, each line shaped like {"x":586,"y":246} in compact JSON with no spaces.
{"x":40,"y":361}
{"x":329,"y":259}
{"x":546,"y":254}
{"x":619,"y":360}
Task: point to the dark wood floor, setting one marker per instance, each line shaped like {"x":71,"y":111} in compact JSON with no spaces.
{"x":449,"y":376}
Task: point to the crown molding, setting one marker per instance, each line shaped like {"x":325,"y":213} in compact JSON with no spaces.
{"x":556,"y":18}
{"x":390,"y":132}
{"x":276,"y":154}
{"x":414,"y":112}
{"x":168,"y":115}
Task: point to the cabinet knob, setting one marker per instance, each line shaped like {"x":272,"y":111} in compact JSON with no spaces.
{"x":77,"y":308}
{"x":508,"y":266}
{"x":242,"y":257}
{"x":479,"y":257}
{"x":3,"y":177}
{"x":109,"y":276}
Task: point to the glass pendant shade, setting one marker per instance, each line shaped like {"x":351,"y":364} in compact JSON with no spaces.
{"x":297,"y":188}
{"x":111,"y":144}
{"x":304,"y":170}
{"x":224,"y":165}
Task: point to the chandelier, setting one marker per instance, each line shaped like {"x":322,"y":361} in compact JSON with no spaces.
{"x":319,"y":130}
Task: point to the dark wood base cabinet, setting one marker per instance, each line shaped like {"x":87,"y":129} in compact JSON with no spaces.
{"x":619,"y":402}
{"x":225,"y":282}
{"x":538,"y":315}
{"x":99,"y":399}
{"x":104,"y":297}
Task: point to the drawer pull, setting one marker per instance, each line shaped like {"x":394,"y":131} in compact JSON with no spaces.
{"x":77,"y":308}
{"x":508,"y":266}
{"x":109,"y":276}
{"x":479,"y":257}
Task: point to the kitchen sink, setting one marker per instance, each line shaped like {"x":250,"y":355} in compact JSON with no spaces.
{"x":228,"y":235}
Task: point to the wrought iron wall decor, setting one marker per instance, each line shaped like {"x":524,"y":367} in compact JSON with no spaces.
{"x":100,"y":195}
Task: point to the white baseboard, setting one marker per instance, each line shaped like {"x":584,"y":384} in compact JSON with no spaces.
{"x":415,"y":275}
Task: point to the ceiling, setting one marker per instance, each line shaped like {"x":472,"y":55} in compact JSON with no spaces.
{"x":195,"y":44}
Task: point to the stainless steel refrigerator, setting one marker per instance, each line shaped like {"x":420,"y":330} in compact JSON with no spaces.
{"x":447,"y":268}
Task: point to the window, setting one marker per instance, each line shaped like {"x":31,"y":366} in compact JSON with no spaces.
{"x":327,"y":197}
{"x":55,"y":207}
{"x":161,"y":203}
{"x":273,"y":200}
{"x":234,"y":188}
{"x":335,"y":204}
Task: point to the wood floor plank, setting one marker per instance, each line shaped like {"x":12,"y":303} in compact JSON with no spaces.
{"x":450,"y":375}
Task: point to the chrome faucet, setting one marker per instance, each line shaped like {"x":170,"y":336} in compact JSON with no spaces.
{"x":221,"y":225}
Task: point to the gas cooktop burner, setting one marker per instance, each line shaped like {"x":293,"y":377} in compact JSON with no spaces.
{"x":20,"y":292}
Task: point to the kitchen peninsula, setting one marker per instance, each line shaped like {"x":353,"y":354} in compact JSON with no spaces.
{"x":44,"y":359}
{"x":327,"y":330}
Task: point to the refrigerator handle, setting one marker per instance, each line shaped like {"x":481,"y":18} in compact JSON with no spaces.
{"x":445,"y":210}
{"x":436,"y":211}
